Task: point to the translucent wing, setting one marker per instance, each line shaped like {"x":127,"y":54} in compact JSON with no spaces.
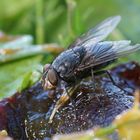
{"x":98,"y":33}
{"x":106,"y":51}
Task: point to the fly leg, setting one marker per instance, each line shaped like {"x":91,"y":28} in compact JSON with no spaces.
{"x":94,"y":85}
{"x":63,"y":99}
{"x":93,"y":78}
{"x":70,"y":96}
{"x":111,"y":78}
{"x":72,"y":101}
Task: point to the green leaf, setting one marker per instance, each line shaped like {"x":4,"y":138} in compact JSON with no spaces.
{"x":14,"y":75}
{"x":26,"y":81}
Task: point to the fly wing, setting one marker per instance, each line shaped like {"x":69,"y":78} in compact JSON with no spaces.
{"x":106,"y":51}
{"x":98,"y":33}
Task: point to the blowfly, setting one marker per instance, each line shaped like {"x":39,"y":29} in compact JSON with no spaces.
{"x":83,"y":58}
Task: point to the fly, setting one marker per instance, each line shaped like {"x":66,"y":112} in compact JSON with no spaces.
{"x":87,"y":55}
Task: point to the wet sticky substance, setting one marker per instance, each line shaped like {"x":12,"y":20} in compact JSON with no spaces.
{"x":90,"y":106}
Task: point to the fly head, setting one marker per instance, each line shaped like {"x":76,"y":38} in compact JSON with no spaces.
{"x":49,"y":78}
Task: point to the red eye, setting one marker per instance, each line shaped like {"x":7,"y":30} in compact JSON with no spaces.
{"x":52,"y":77}
{"x":46,"y":68}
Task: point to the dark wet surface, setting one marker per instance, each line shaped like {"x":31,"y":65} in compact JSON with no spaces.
{"x":90,"y":107}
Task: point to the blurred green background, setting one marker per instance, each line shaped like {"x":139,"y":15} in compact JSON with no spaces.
{"x":19,"y":17}
{"x":58,"y":21}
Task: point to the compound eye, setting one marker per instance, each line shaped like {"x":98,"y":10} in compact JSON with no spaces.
{"x":52,"y":77}
{"x":46,"y":68}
